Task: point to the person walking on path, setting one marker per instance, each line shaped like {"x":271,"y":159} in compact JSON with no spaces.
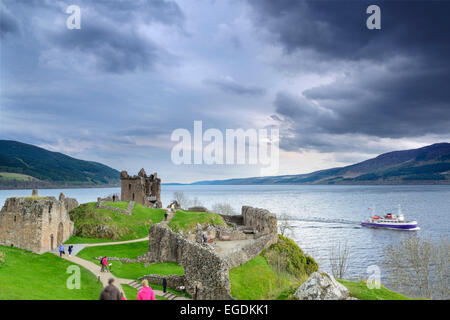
{"x":164,"y":283}
{"x":110,"y":292}
{"x":104,"y":264}
{"x":61,"y":250}
{"x":70,"y":250}
{"x":146,"y":293}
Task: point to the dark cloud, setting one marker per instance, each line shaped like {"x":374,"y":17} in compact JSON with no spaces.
{"x":395,"y":81}
{"x":337,"y":29}
{"x":8,"y":24}
{"x":230,"y":85}
{"x":113,"y":49}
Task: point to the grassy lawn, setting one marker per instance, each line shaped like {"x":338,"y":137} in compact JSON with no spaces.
{"x":118,"y":204}
{"x":275,"y":274}
{"x":131,"y":293}
{"x":126,"y":250}
{"x":256,"y":280}
{"x":359,"y":290}
{"x":187,"y":221}
{"x":93,"y":225}
{"x":29,"y":276}
{"x":131,"y":251}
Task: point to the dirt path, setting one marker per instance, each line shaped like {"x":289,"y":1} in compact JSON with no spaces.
{"x":105,"y":276}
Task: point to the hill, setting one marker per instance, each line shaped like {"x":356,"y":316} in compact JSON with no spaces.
{"x":27,"y":166}
{"x":427,"y":165}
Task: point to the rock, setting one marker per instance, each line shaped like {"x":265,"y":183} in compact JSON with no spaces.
{"x":198,"y":209}
{"x":322,"y":286}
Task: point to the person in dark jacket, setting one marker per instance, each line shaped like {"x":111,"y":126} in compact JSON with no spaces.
{"x":164,"y":283}
{"x":70,"y":250}
{"x":110,"y":292}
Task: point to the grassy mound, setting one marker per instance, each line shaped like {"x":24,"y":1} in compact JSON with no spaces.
{"x":131,"y":251}
{"x":187,"y":221}
{"x":275,"y":274}
{"x":359,"y":290}
{"x":117,"y":204}
{"x":103,"y":225}
{"x":28,"y":276}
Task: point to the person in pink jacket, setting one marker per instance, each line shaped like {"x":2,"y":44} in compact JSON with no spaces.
{"x":146,"y":293}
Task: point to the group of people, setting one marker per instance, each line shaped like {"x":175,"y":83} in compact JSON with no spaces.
{"x":62,"y":251}
{"x":111,"y":292}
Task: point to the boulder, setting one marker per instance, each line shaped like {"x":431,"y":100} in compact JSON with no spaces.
{"x":322,"y":286}
{"x":198,"y":209}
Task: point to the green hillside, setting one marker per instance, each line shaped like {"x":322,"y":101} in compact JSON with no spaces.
{"x":27,"y":166}
{"x":427,"y":165}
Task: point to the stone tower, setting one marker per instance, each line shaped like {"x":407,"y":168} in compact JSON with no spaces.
{"x":143,"y":189}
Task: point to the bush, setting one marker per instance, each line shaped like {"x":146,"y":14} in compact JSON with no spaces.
{"x":287,"y":254}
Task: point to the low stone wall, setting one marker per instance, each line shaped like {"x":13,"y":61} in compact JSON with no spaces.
{"x":203,"y":268}
{"x":173,"y":281}
{"x":129,"y":210}
{"x":261,"y":221}
{"x":249,"y":251}
{"x":234,"y":220}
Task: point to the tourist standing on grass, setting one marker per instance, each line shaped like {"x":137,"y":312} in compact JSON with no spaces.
{"x":61,"y":250}
{"x":70,"y":250}
{"x":146,"y":293}
{"x":110,"y":292}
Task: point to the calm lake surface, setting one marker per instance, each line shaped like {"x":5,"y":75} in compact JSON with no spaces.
{"x":322,"y":215}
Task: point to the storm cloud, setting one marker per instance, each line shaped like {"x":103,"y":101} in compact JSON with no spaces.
{"x":388,"y":83}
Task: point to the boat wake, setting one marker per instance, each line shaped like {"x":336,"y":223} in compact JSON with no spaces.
{"x":326,"y":220}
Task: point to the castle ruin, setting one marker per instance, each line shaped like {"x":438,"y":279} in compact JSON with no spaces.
{"x":36,"y":223}
{"x":143,"y":189}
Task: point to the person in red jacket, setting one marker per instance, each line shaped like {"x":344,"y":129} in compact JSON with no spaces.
{"x":146,"y":293}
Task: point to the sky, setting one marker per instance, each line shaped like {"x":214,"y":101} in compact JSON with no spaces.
{"x":115,"y":90}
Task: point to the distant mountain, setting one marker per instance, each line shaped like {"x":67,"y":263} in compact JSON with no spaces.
{"x":27,"y":166}
{"x":427,"y":165}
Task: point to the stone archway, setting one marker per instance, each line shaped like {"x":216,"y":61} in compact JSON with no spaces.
{"x":60,"y":234}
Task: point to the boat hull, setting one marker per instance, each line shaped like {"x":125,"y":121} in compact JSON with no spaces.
{"x":397,"y":226}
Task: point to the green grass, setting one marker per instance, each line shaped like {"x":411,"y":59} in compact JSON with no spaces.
{"x":131,"y":293}
{"x":126,"y":250}
{"x":359,"y":290}
{"x":131,"y":251}
{"x":275,"y":274}
{"x":118,"y":204}
{"x":256,"y":280}
{"x":15,"y":176}
{"x":187,"y":221}
{"x":120,"y":227}
{"x":29,"y":276}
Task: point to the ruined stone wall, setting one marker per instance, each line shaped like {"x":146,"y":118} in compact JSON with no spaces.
{"x":173,"y":281}
{"x":261,"y":221}
{"x":251,"y":250}
{"x":35,"y":224}
{"x":203,"y":268}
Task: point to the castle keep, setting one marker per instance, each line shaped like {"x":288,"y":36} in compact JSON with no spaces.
{"x":143,"y":189}
{"x":35,"y":223}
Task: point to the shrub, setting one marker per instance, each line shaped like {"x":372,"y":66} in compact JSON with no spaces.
{"x":287,"y":254}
